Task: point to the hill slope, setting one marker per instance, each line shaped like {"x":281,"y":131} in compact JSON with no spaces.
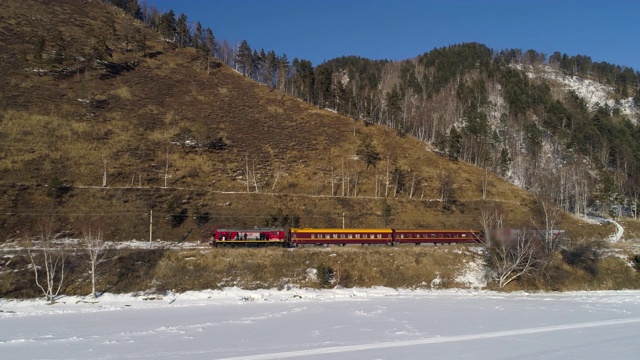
{"x":103,"y":121}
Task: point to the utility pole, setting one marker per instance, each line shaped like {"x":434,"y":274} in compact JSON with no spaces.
{"x":166,"y":169}
{"x":343,"y":219}
{"x":104,"y":176}
{"x":150,"y":225}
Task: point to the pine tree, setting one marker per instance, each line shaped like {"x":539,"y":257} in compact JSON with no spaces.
{"x":367,"y":152}
{"x":210,"y":40}
{"x":167,"y":26}
{"x":283,"y":72}
{"x":454,"y":146}
{"x":198,"y":36}
{"x":505,"y":161}
{"x":182,"y":30}
{"x":271,"y":64}
{"x":245,"y":58}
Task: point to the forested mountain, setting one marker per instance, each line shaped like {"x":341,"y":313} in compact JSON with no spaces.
{"x":502,"y":111}
{"x":110,"y":113}
{"x":508,"y":111}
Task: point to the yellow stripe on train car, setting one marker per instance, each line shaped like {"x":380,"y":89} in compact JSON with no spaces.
{"x":345,"y":231}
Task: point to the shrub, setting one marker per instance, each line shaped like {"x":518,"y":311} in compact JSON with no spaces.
{"x":636,"y":262}
{"x":176,"y":217}
{"x":584,"y":257}
{"x":201,"y":217}
{"x":57,"y":189}
{"x":324,"y":275}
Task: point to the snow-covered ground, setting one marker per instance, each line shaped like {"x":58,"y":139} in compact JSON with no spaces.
{"x":614,"y":238}
{"x":378,"y":323}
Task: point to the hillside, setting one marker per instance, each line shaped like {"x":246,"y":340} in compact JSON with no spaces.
{"x":103,"y":121}
{"x":562,"y":127}
{"x":105,"y":125}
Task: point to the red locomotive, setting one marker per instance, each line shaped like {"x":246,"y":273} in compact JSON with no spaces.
{"x":249,"y":237}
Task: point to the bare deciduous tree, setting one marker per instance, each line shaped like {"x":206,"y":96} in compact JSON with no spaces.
{"x":509,"y":253}
{"x":279,"y":171}
{"x":95,"y":251}
{"x":446,"y":189}
{"x":485,"y":181}
{"x":48,"y":261}
{"x":104,"y":175}
{"x":550,"y":217}
{"x":250,"y":174}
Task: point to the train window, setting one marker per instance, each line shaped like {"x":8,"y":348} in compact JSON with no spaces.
{"x":313,"y":236}
{"x":335,"y":236}
{"x":342,"y":236}
{"x":350,"y":236}
{"x":295,"y":236}
{"x":464,"y":235}
{"x":357,"y":236}
{"x":380,"y":235}
{"x":439,"y":235}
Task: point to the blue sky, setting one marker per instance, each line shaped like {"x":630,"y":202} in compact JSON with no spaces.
{"x":399,"y":29}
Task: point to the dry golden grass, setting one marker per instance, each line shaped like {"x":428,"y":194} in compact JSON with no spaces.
{"x":631,"y":230}
{"x":124,"y":92}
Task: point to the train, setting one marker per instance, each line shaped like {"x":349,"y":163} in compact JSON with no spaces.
{"x":294,"y":237}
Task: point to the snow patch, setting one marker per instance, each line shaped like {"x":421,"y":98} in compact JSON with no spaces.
{"x":474,"y":275}
{"x":594,"y":93}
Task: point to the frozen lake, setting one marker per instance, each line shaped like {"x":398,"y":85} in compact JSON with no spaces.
{"x":377,"y":323}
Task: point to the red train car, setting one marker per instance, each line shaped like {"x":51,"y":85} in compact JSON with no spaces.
{"x":324,"y":236}
{"x":249,"y":237}
{"x":424,"y":236}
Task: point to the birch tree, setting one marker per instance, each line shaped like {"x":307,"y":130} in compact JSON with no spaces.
{"x":550,"y":217}
{"x":95,"y":251}
{"x":509,"y":253}
{"x":48,"y":262}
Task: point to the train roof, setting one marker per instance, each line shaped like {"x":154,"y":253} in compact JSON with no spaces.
{"x":338,"y":230}
{"x":437,"y":230}
{"x":250,"y":230}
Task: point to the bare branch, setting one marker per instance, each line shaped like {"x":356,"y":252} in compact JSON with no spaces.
{"x":96,"y":251}
{"x":509,"y":253}
{"x":49,"y":258}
